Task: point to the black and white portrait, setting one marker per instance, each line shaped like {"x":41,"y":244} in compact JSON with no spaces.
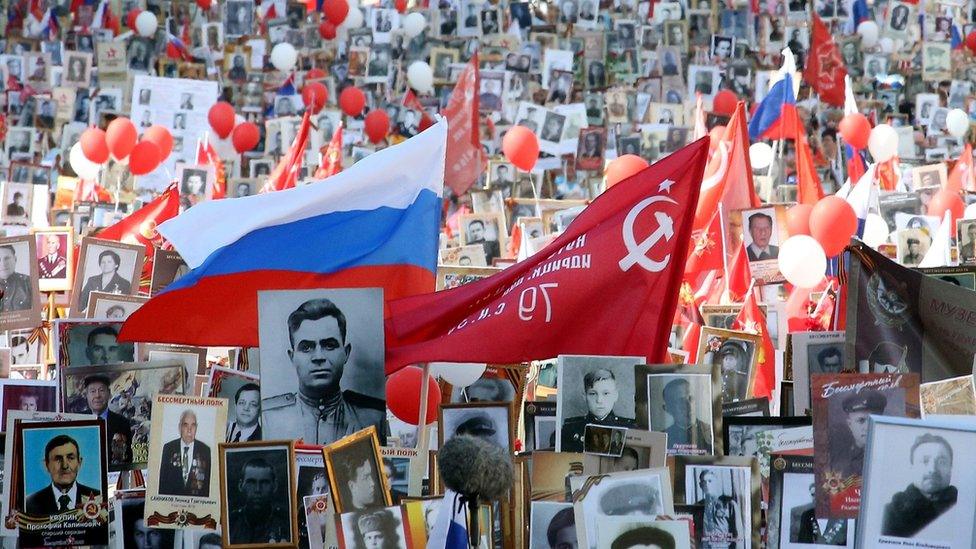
{"x":726,"y":495}
{"x":735,"y":354}
{"x":793,"y":520}
{"x":196,"y":183}
{"x":488,"y":421}
{"x":644,"y":493}
{"x":593,"y":390}
{"x":485,"y":229}
{"x":552,"y":127}
{"x":77,"y":72}
{"x":17,"y":200}
{"x":139,"y":53}
{"x":814,"y":353}
{"x":553,"y":524}
{"x":380,"y":527}
{"x":356,"y":473}
{"x":321,"y":346}
{"x":131,"y":530}
{"x":238,"y":18}
{"x":722,"y":46}
{"x":106,"y":266}
{"x":680,"y":405}
{"x":257,"y":486}
{"x":20,"y":142}
{"x":917,"y":484}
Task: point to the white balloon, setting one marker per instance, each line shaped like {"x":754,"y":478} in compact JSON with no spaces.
{"x":883,"y":142}
{"x":970,"y":212}
{"x":869,"y":31}
{"x":458,"y":374}
{"x":886,"y":44}
{"x":354,"y":19}
{"x":146,"y":23}
{"x":957,"y":122}
{"x":420,"y":77}
{"x":284,"y":57}
{"x":802,"y":261}
{"x":876,"y":230}
{"x":760,"y":155}
{"x":86,"y":169}
{"x":413,"y":24}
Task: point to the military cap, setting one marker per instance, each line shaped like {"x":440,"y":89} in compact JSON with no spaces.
{"x":371,"y":522}
{"x":479,"y":425}
{"x":868,"y":400}
{"x":625,"y":499}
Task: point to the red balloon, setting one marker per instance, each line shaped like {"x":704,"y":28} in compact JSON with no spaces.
{"x":798,"y":219}
{"x":352,"y":101}
{"x":971,"y":41}
{"x":832,"y":224}
{"x":946,"y":200}
{"x":204,"y":4}
{"x":336,"y":11}
{"x":400,"y":5}
{"x":327,"y":30}
{"x":377,"y":125}
{"x":94,"y":146}
{"x":144,"y":158}
{"x":403,"y":395}
{"x":725,"y":102}
{"x":855,"y":129}
{"x":130,"y":18}
{"x":315,"y":74}
{"x":120,"y":137}
{"x":314,"y":95}
{"x":245,"y":137}
{"x":161,"y":137}
{"x":521,"y":147}
{"x":221,"y":117}
{"x":623,"y":167}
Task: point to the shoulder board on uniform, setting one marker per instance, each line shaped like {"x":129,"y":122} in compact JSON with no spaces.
{"x":277,"y":401}
{"x":364,"y":401}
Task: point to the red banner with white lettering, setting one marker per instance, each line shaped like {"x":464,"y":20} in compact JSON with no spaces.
{"x":465,"y":159}
{"x":609,"y":285}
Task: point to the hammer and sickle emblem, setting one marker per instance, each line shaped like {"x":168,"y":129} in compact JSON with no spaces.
{"x":637,"y":252}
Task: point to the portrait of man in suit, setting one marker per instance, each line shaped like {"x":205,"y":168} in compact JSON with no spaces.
{"x":247,"y":408}
{"x":761,"y":231}
{"x":63,"y":460}
{"x":185,"y":467}
{"x":118,"y":429}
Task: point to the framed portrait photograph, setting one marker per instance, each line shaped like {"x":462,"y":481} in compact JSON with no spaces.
{"x":20,"y":143}
{"x":54,"y":252}
{"x":130,"y":524}
{"x":356,"y":475}
{"x":593,"y":390}
{"x":951,"y":397}
{"x":183,"y":441}
{"x":735,"y":353}
{"x":763,"y":230}
{"x":17,"y":202}
{"x":539,"y":424}
{"x":490,"y":421}
{"x":294,"y":328}
{"x":257,"y":480}
{"x":239,"y":188}
{"x":814,"y":353}
{"x":601,"y":440}
{"x":932,"y":175}
{"x":641,"y":450}
{"x":462,"y":256}
{"x":552,"y":524}
{"x":193,"y":359}
{"x":684,"y":402}
{"x":196,"y":182}
{"x":918,"y":486}
{"x":729,"y":489}
{"x":966,"y":241}
{"x":591,"y":146}
{"x":27,"y":395}
{"x":488,"y":230}
{"x":80,"y":342}
{"x":20,"y":302}
{"x":842,"y":406}
{"x":122,"y":394}
{"x":383,"y":523}
{"x":312,"y":495}
{"x":78,"y":67}
{"x":635,"y":493}
{"x":63,"y":504}
{"x":792,"y":518}
{"x":243,"y":393}
{"x":106,"y":266}
{"x":113,"y":306}
{"x":912,"y":245}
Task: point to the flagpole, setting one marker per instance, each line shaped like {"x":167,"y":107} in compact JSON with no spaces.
{"x":418,"y":466}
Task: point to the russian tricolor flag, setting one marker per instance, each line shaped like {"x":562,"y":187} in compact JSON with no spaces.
{"x":776,"y":116}
{"x":373,"y":225}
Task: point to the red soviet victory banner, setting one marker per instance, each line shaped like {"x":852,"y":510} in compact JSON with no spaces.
{"x":465,"y":159}
{"x":607,"y":286}
{"x":825,"y":70}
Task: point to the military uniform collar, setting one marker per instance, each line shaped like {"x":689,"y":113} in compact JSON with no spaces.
{"x":330,"y":401}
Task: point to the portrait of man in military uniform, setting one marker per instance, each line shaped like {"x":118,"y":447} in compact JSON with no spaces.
{"x":849,"y":430}
{"x":724,"y":526}
{"x":806,"y":528}
{"x":331,"y":355}
{"x":678,"y":412}
{"x":19,"y":292}
{"x":600,"y":393}
{"x":257,"y":484}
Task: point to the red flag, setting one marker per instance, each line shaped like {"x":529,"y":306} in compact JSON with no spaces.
{"x":465,"y":159}
{"x":808,"y":189}
{"x":707,"y":252}
{"x":963,"y":177}
{"x":740,"y":275}
{"x":332,"y":157}
{"x":410,"y":101}
{"x":285,"y":174}
{"x":751,"y":319}
{"x":206,"y":155}
{"x":728,"y":178}
{"x":824,"y":69}
{"x":139,"y":227}
{"x":618,"y":265}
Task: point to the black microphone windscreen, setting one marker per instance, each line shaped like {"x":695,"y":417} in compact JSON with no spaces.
{"x":472,"y":466}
